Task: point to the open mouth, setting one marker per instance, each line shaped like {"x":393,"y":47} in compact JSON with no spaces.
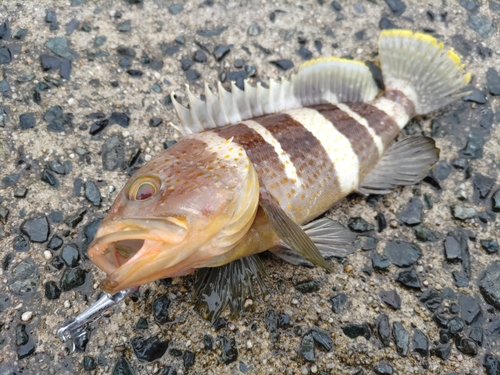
{"x":123,"y":250}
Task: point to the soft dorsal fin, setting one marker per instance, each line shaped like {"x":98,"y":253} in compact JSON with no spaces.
{"x":318,"y":81}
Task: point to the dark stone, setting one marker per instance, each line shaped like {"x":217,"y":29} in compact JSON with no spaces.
{"x":188,"y":359}
{"x":5,"y":55}
{"x":89,"y":363}
{"x":98,"y":126}
{"x":413,"y":213}
{"x":57,"y":167}
{"x":283,"y":64}
{"x":469,"y":308}
{"x":229,"y":350}
{"x":180,"y":39}
{"x":27,"y":121}
{"x":168,"y":370}
{"x":208,"y":342}
{"x":24,"y":278}
{"x":175,"y":9}
{"x":386,"y":24}
{"x":442,"y":350}
{"x":442,"y":170}
{"x":486,"y":119}
{"x":49,"y":178}
{"x":192,"y":74}
{"x":211,"y":33}
{"x":424,"y":234}
{"x":20,"y":244}
{"x":141,"y":324}
{"x":72,"y":278}
{"x":135,"y":73}
{"x":322,"y":338}
{"x":160,"y":309}
{"x":383,"y":367}
{"x":304,"y":53}
{"x":22,"y":336}
{"x":452,"y":248}
{"x":4,"y":214}
{"x":358,"y":224}
{"x":92,"y":193}
{"x":484,"y":52}
{"x":37,"y":229}
{"x":125,"y":26}
{"x":73,"y":220}
{"x":155,"y":122}
{"x":271,"y":320}
{"x":11,"y":180}
{"x":379,"y":262}
{"x":391,"y":298}
{"x":475,"y":96}
{"x":490,"y":246}
{"x":466,"y":345}
{"x":49,"y":63}
{"x":384,"y":331}
{"x":474,"y":147}
{"x":482,"y":186}
{"x":495,"y":201}
{"x":493,"y":81}
{"x":463,"y":213}
{"x":149,"y":349}
{"x":409,"y":279}
{"x":353,"y":330}
{"x":338,"y":302}
{"x":70,"y":255}
{"x":489,"y":284}
{"x":200,"y":56}
{"x":432,"y":299}
{"x":308,"y":286}
{"x":71,"y":26}
{"x":186,"y":64}
{"x":491,"y":364}
{"x":397,"y":7}
{"x":56,"y":263}
{"x":470,"y":5}
{"x":221,"y":51}
{"x":420,"y":343}
{"x":220,"y":323}
{"x":367,"y":242}
{"x":5,"y":31}
{"x":402,"y":254}
{"x":306,"y":348}
{"x":113,"y":153}
{"x":60,"y":46}
{"x":485,"y":28}
{"x":122,"y":367}
{"x":52,"y":291}
{"x":456,"y":325}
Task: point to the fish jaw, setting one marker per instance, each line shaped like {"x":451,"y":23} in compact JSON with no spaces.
{"x":123,"y":248}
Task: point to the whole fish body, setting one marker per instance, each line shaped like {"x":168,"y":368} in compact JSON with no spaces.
{"x":256,"y":165}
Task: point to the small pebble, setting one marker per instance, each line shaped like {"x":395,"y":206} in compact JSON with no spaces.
{"x":27,"y":316}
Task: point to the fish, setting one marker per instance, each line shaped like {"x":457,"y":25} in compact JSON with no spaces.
{"x":256,"y":169}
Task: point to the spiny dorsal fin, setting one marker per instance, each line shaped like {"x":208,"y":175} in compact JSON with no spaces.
{"x":318,"y":81}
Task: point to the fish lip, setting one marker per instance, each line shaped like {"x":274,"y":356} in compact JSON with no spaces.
{"x":164,"y":230}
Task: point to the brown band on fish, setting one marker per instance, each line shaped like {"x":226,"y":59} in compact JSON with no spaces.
{"x":359,"y":137}
{"x":398,"y":97}
{"x":383,"y":124}
{"x":311,"y":160}
{"x":262,"y":155}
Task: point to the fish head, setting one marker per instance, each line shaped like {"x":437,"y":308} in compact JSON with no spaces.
{"x":186,"y":207}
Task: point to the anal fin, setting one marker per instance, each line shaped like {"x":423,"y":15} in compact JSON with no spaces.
{"x":404,"y":163}
{"x":289,"y":231}
{"x":329,"y":236}
{"x":228,"y":285}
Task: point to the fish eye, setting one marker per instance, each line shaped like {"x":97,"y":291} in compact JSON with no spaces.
{"x":144,"y":188}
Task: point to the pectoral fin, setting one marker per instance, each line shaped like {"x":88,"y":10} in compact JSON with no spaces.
{"x":289,"y":231}
{"x":404,"y":163}
{"x":228,"y":285}
{"x":331,"y":239}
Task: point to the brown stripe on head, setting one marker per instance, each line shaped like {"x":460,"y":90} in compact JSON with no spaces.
{"x":384,"y":125}
{"x":359,"y":137}
{"x":398,"y":97}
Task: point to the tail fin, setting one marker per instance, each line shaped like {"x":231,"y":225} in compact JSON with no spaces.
{"x":417,"y":65}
